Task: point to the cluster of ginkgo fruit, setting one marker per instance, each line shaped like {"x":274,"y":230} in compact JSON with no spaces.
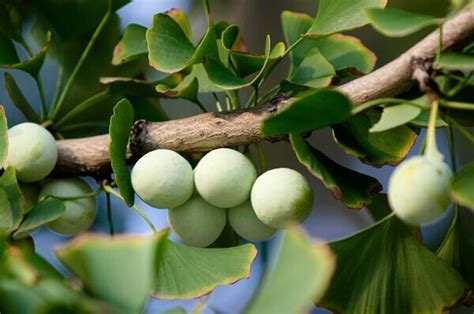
{"x":223,"y":186}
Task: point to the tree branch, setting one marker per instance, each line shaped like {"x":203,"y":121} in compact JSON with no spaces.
{"x":203,"y":132}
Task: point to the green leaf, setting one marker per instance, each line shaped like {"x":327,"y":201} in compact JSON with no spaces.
{"x":224,"y":78}
{"x":338,"y":179}
{"x":314,"y":110}
{"x":398,"y":23}
{"x":127,"y":86}
{"x":314,"y":71}
{"x":186,"y":91}
{"x":377,"y":149}
{"x":186,"y":272}
{"x":395,"y":116}
{"x":295,"y":291}
{"x":462,"y":187}
{"x":121,"y":124}
{"x":449,"y":248}
{"x":132,"y":45}
{"x":379,"y":207}
{"x":386,"y":260}
{"x":341,"y":51}
{"x":32,"y":65}
{"x":19,"y":99}
{"x":180,"y":17}
{"x":169,"y":48}
{"x":10,"y":205}
{"x":337,"y":16}
{"x":246,"y":63}
{"x":118,"y":270}
{"x":3,"y":136}
{"x":45,"y":211}
{"x":8,"y":54}
{"x":452,"y":61}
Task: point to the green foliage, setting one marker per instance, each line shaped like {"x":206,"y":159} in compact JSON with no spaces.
{"x":398,"y":23}
{"x":10,"y":207}
{"x":392,"y":269}
{"x":283,"y":291}
{"x":395,"y":116}
{"x":338,"y":179}
{"x":132,"y":45}
{"x":377,"y":149}
{"x":45,"y":211}
{"x":462,"y":187}
{"x":3,"y":136}
{"x":338,"y":16}
{"x":455,"y":61}
{"x":121,"y":124}
{"x":313,"y":110}
{"x":205,"y":269}
{"x":19,"y":99}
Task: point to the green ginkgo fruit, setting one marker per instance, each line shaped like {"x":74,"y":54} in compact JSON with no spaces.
{"x":245,"y":222}
{"x":418,"y":189}
{"x":281,"y":196}
{"x":224,"y":177}
{"x":32,"y":151}
{"x":197,"y":223}
{"x":79,"y":214}
{"x":163,"y":179}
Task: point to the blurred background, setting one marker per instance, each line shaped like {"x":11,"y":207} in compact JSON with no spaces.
{"x":330,"y":220}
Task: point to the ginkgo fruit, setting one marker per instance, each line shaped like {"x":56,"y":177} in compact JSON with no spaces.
{"x":163,"y":179}
{"x":197,"y":223}
{"x":282,"y":196}
{"x":418,"y":189}
{"x":80,"y":213}
{"x":245,"y":222}
{"x":32,"y":151}
{"x":224,"y":177}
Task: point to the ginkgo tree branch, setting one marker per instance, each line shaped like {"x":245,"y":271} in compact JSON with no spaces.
{"x":203,"y":132}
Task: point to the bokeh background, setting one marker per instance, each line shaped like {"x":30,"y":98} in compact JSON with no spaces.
{"x":330,"y":220}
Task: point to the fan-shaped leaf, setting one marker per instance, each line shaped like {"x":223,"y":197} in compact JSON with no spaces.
{"x":384,"y":269}
{"x":121,"y":124}
{"x":132,"y":45}
{"x":342,"y":15}
{"x":10,"y":206}
{"x":462,"y":187}
{"x":314,"y":110}
{"x":187,"y":272}
{"x":295,"y":291}
{"x":395,"y":116}
{"x":338,"y":179}
{"x":118,"y":270}
{"x":398,"y":23}
{"x":377,"y":149}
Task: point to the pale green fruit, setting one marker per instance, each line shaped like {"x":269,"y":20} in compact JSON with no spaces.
{"x":282,"y":196}
{"x":418,"y":189}
{"x":29,"y":195}
{"x":224,"y":177}
{"x":243,"y":220}
{"x":32,"y":151}
{"x":197,"y":223}
{"x":163,"y":179}
{"x":79,"y":214}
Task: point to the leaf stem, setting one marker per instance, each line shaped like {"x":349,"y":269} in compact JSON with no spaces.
{"x":218,"y":102}
{"x":207,"y":8}
{"x":109,"y":214}
{"x":201,"y":105}
{"x":452,"y":150}
{"x":461,"y":129}
{"x":261,"y":158}
{"x":44,"y":109}
{"x":440,"y":43}
{"x":431,"y":147}
{"x":57,"y":106}
{"x":110,"y":190}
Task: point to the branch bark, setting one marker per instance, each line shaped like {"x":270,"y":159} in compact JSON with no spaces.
{"x":203,"y":132}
